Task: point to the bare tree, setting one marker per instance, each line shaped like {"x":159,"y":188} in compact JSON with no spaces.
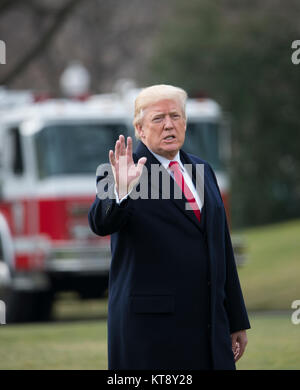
{"x":59,"y":18}
{"x":6,"y":5}
{"x":112,"y":39}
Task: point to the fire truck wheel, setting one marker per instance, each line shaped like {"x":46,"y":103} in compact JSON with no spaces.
{"x":28,"y":306}
{"x":94,"y":289}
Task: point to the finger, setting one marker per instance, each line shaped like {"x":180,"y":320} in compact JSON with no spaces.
{"x":111,"y":157}
{"x":142,"y":161}
{"x":233,"y":341}
{"x":122,"y":145}
{"x":141,"y":164}
{"x":136,"y":171}
{"x":117,"y":150}
{"x":129,"y":148}
{"x":236,"y":352}
{"x":237,"y":355}
{"x":242,"y":347}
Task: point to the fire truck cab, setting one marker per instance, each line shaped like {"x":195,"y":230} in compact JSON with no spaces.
{"x":49,"y":153}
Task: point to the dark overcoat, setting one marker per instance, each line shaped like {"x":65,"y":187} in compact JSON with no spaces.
{"x":174,"y":291}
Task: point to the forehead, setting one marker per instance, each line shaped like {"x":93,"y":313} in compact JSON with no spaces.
{"x":164,"y":106}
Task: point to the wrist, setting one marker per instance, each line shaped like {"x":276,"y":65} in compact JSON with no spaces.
{"x":121,"y":193}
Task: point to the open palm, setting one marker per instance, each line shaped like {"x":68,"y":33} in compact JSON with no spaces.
{"x":126,"y":173}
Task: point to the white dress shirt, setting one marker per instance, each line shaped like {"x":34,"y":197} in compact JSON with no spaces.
{"x":188,"y":180}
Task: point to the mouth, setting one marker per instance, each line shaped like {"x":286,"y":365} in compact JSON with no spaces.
{"x":169,"y":138}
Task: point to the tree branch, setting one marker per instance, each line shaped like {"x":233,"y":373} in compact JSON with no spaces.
{"x":5,"y":5}
{"x":41,"y":9}
{"x":40,"y":46}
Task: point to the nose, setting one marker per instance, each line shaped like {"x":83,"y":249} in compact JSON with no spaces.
{"x":168,"y":122}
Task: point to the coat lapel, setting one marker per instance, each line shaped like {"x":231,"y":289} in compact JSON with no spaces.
{"x":211,"y":199}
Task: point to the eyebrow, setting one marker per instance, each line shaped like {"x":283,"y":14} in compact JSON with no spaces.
{"x":164,"y":113}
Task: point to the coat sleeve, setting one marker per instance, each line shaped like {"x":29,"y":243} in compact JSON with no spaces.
{"x":106,"y":216}
{"x":234,"y":301}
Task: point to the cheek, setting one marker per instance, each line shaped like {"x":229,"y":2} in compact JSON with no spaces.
{"x":152,"y":136}
{"x":155,"y":134}
{"x":182,"y":133}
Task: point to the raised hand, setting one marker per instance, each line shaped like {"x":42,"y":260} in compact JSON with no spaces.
{"x":126,"y":173}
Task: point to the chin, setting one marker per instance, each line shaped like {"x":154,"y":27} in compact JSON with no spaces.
{"x":170,"y":151}
{"x":172,"y":148}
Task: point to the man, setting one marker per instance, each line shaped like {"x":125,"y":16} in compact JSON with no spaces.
{"x":175,"y":300}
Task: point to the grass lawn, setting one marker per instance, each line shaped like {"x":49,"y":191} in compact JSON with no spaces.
{"x":54,"y":346}
{"x":270,"y":281}
{"x":270,"y":278}
{"x":274,"y":343}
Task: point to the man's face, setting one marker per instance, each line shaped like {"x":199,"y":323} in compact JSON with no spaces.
{"x":163,"y":128}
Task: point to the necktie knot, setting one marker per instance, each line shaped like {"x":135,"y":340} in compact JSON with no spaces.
{"x":178,"y":176}
{"x":173,"y":165}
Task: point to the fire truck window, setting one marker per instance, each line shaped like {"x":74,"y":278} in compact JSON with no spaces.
{"x":202,"y":139}
{"x":17,"y":160}
{"x":66,"y":149}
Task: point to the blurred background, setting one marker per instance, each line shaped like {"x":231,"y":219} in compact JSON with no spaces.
{"x":71,"y":71}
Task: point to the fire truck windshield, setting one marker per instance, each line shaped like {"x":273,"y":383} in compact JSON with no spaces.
{"x":202,"y":139}
{"x":64,"y":149}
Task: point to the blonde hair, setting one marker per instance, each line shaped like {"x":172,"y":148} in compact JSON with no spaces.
{"x":154,"y":94}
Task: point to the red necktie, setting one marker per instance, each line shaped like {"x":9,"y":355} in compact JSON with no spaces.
{"x":178,"y":176}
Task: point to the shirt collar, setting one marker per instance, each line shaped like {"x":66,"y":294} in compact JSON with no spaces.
{"x":165,"y":162}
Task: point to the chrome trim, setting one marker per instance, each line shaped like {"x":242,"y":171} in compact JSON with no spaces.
{"x":80,"y":260}
{"x":30,"y":281}
{"x":5,"y":278}
{"x":7,"y":243}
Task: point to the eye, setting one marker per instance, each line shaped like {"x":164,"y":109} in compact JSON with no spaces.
{"x":157,"y":119}
{"x":176,"y":116}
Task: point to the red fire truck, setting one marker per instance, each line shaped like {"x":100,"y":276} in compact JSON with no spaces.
{"x":49,"y":152}
{"x":49,"y":155}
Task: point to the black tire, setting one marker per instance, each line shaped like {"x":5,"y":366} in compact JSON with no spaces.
{"x":93,"y":289}
{"x":26,"y":306}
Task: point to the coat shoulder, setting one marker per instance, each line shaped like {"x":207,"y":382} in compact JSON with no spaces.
{"x":208,"y":169}
{"x":198,"y":160}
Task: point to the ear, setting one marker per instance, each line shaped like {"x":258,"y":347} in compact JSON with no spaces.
{"x":139,"y":129}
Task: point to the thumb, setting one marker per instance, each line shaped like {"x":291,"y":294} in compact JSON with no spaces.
{"x":141,"y":164}
{"x":137,"y":172}
{"x":233,"y":340}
